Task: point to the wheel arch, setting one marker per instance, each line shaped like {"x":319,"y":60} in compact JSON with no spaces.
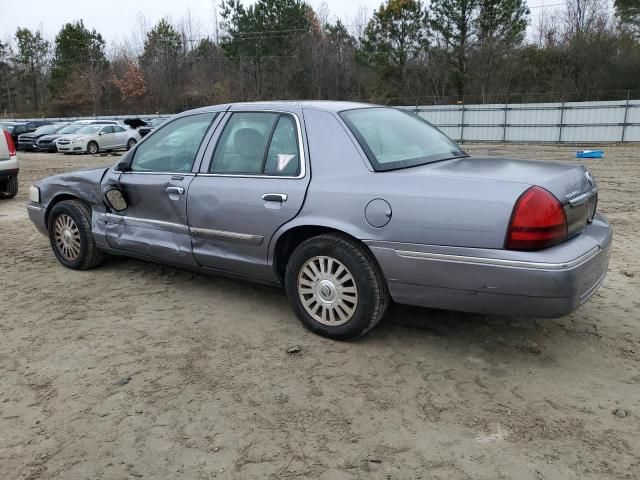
{"x":288,"y":239}
{"x":61,"y":197}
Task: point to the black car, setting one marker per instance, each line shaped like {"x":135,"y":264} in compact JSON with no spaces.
{"x":151,"y":125}
{"x":15,"y":129}
{"x":32,"y":125}
{"x":29,"y":141}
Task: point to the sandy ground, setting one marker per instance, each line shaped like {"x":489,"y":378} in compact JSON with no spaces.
{"x":136,"y":370}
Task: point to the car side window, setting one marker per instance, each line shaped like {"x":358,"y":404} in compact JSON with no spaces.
{"x":257,"y":143}
{"x":106,"y":130}
{"x":20,"y":129}
{"x":173,"y":148}
{"x":283,"y":156}
{"x":117,"y":129}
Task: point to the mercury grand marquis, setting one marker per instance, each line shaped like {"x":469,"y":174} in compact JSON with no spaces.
{"x":348,"y":206}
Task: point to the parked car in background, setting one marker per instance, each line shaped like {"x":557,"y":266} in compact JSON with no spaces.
{"x":47,"y":143}
{"x":29,"y":141}
{"x":151,"y":125}
{"x":8,"y":165}
{"x":15,"y":129}
{"x":35,"y":124}
{"x":346,"y":205}
{"x":96,"y":138}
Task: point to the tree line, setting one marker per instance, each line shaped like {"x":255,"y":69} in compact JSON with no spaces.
{"x":472,"y":51}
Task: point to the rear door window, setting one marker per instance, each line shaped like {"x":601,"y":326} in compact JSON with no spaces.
{"x":258,"y":143}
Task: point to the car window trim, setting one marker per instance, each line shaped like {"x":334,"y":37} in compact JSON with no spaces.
{"x":191,"y":173}
{"x":204,"y":168}
{"x":267,"y":146}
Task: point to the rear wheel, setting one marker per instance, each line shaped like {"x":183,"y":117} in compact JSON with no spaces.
{"x":336,"y":287}
{"x":92,"y":148}
{"x":71,"y":238}
{"x":10,"y":188}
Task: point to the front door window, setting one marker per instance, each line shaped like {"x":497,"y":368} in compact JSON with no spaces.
{"x":173,"y":148}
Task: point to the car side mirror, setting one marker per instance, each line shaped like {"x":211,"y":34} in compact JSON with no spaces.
{"x":115,"y":199}
{"x":124,"y":166}
{"x":100,"y":133}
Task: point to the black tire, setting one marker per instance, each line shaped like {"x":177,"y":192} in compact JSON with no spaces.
{"x":93,"y":148}
{"x":10,"y":189}
{"x":372,"y":293}
{"x":89,"y":255}
{"x":131,"y":143}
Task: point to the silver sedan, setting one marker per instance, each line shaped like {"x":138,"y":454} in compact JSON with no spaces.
{"x":346,"y":205}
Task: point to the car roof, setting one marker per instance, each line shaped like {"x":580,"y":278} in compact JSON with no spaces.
{"x":325,"y":105}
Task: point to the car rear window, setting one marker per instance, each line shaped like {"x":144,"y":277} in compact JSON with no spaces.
{"x":393,"y":138}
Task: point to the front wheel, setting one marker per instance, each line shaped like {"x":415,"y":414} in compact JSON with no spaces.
{"x":336,"y":287}
{"x":70,"y":236}
{"x":93,"y":148}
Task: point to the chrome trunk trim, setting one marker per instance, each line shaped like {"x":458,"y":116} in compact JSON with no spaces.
{"x":584,"y":197}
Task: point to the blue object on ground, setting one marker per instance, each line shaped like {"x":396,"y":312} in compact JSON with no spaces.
{"x":590,"y":154}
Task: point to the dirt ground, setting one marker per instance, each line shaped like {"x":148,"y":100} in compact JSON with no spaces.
{"x":136,"y":370}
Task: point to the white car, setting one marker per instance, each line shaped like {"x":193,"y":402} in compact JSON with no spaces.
{"x":96,"y":138}
{"x":8,"y":165}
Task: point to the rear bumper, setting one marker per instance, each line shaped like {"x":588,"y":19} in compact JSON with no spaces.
{"x":547,"y":283}
{"x":8,"y":173}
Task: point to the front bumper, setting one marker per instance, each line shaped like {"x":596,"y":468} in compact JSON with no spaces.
{"x":27,"y":146}
{"x":72,"y":148}
{"x":46,"y":147}
{"x":36,"y":213}
{"x":547,"y":283}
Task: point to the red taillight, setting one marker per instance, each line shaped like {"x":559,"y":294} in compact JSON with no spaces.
{"x":538,"y":221}
{"x":12,"y":147}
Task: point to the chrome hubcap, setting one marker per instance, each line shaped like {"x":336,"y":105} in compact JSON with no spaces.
{"x":327,"y":290}
{"x":67,"y":237}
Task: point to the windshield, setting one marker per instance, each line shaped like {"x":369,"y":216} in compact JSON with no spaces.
{"x":48,"y":129}
{"x":393,"y":138}
{"x":71,"y":129}
{"x":90,"y":129}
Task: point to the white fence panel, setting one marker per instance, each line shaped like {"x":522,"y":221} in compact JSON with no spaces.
{"x":572,"y":122}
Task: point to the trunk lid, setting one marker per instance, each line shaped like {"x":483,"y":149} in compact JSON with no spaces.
{"x":573,"y":185}
{"x":565,"y":181}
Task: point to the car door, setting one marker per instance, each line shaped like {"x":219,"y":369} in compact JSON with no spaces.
{"x":161,"y":170}
{"x":106,"y":137}
{"x":120,"y":136}
{"x":253,"y":179}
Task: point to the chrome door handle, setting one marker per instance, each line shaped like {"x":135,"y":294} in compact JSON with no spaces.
{"x":275,"y":197}
{"x":178,"y":190}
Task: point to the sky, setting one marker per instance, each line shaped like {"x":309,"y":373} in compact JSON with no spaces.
{"x":117,"y":20}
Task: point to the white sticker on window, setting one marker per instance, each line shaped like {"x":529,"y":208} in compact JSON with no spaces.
{"x":283,"y":161}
